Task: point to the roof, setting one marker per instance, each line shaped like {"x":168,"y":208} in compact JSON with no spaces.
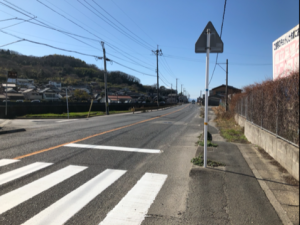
{"x":27,"y":90}
{"x":223,"y":85}
{"x":116,"y":97}
{"x":8,"y":85}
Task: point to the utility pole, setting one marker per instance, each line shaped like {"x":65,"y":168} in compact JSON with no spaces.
{"x":176,"y":90}
{"x":226,"y":90}
{"x":105,"y":80}
{"x":157,"y":53}
{"x":171,"y":93}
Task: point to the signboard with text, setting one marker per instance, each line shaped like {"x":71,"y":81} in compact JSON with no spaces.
{"x":286,"y":53}
{"x":12,"y":74}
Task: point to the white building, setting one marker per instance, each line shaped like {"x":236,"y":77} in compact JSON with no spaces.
{"x":55,"y":84}
{"x":286,"y":53}
{"x":29,"y":83}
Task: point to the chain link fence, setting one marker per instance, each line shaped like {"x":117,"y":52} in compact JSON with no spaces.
{"x":273,"y":106}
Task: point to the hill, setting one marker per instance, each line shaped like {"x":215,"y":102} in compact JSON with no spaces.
{"x":65,"y":69}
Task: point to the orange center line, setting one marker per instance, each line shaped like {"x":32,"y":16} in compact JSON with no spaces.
{"x":94,"y":135}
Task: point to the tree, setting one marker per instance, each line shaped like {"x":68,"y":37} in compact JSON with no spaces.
{"x":81,"y":95}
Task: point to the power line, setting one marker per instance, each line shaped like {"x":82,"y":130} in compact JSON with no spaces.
{"x":134,"y":69}
{"x":81,"y":26}
{"x":11,"y":43}
{"x":16,"y":23}
{"x":121,"y":23}
{"x":66,"y":50}
{"x":220,"y":37}
{"x":164,"y":59}
{"x":8,"y":19}
{"x":68,"y":34}
{"x":39,"y":43}
{"x":134,"y":22}
{"x":113,"y":25}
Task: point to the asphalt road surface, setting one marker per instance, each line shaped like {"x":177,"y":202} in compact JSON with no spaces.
{"x":117,"y":169}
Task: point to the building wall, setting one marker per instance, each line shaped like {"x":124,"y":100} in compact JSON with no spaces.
{"x":222,"y":90}
{"x":286,"y":53}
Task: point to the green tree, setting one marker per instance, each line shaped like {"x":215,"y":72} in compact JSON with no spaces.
{"x":81,"y":95}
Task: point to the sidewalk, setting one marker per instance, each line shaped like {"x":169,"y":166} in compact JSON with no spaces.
{"x":251,"y":189}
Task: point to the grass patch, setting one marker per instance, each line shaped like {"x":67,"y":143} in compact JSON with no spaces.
{"x":199,"y":162}
{"x":209,"y":143}
{"x":65,"y":115}
{"x":230,"y":130}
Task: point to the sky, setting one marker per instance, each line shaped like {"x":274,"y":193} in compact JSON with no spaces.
{"x":132,"y":29}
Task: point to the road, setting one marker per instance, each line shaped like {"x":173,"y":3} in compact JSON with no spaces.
{"x":117,"y":169}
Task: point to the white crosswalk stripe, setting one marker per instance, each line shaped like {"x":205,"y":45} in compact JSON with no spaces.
{"x":132,"y":208}
{"x":65,"y":208}
{"x":17,"y":173}
{"x":135,"y":205}
{"x":16,"y":197}
{"x":114,"y":148}
{"x":4,"y":162}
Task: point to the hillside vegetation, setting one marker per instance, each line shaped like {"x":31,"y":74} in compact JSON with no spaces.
{"x":65,"y":69}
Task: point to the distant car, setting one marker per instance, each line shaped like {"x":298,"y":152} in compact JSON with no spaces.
{"x":6,"y":101}
{"x":36,"y":100}
{"x":144,"y":102}
{"x":162,"y":102}
{"x":193,"y":102}
{"x":20,"y":100}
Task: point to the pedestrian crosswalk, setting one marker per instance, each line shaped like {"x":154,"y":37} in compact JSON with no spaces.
{"x":131,"y":209}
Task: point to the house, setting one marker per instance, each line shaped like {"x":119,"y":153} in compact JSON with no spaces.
{"x":29,"y":83}
{"x":55,"y":84}
{"x":50,"y":94}
{"x":31,"y":94}
{"x":220,"y":90}
{"x":116,"y":99}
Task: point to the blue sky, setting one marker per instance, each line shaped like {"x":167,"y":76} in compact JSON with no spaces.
{"x":249,"y":29}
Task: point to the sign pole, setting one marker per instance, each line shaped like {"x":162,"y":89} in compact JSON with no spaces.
{"x":6,"y":95}
{"x":206,"y":99}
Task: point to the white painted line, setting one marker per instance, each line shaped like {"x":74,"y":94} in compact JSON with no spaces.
{"x":65,"y":208}
{"x":141,"y":150}
{"x":62,"y":121}
{"x":16,"y":197}
{"x":15,"y":174}
{"x":133,"y":208}
{"x":4,"y":162}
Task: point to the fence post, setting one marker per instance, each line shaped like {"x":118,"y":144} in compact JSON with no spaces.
{"x":262,"y":108}
{"x":252,"y":107}
{"x":277,"y":120}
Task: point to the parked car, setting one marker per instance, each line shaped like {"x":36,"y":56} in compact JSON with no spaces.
{"x":162,"y":102}
{"x":6,"y":101}
{"x":19,"y":100}
{"x":36,"y":100}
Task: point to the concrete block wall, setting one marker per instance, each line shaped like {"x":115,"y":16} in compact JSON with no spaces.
{"x":283,"y":152}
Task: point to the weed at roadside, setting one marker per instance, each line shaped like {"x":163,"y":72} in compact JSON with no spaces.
{"x":199,"y":162}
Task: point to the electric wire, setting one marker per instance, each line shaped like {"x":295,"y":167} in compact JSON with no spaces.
{"x":220,"y":37}
{"x":121,"y":24}
{"x":114,"y":26}
{"x":47,"y":26}
{"x":11,"y":43}
{"x":8,"y":19}
{"x":134,"y":22}
{"x":79,"y":26}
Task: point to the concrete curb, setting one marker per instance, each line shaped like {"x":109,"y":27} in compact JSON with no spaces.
{"x":12,"y":131}
{"x":277,"y":206}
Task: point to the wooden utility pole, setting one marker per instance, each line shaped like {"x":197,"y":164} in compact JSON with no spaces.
{"x":226,"y":90}
{"x":105,"y":80}
{"x":157,"y":53}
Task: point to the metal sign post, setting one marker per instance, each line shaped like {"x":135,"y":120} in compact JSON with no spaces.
{"x":206,"y":98}
{"x":208,"y":42}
